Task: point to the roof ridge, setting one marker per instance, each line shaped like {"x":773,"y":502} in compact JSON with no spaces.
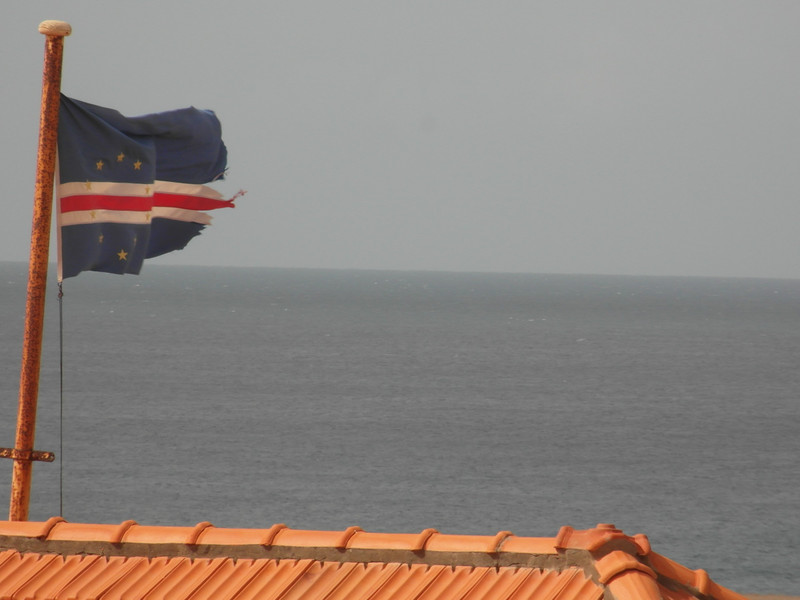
{"x":625,"y":564}
{"x":205,"y":533}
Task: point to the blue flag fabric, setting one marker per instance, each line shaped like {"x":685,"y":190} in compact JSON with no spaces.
{"x":131,"y":188}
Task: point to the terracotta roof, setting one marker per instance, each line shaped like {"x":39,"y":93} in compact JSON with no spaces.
{"x":57,"y":559}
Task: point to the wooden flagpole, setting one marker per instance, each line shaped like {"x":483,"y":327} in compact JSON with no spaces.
{"x":23,"y":453}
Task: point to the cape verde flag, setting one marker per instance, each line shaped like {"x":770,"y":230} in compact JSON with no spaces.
{"x":131,"y":188}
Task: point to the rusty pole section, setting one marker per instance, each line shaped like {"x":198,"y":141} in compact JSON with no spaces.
{"x":37,"y":270}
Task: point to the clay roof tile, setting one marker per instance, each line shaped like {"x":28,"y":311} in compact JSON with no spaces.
{"x":57,"y":559}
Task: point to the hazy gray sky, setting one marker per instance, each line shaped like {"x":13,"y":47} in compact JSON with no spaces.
{"x":628,"y":137}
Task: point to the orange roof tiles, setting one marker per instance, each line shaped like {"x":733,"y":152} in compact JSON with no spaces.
{"x":57,"y":559}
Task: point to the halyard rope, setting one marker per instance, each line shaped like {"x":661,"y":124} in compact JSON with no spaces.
{"x":61,"y":400}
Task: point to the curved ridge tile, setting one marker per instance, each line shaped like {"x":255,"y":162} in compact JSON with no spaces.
{"x":529,"y":545}
{"x":122,"y":528}
{"x":594,"y":539}
{"x":642,"y":543}
{"x":373,"y":540}
{"x":464,"y":543}
{"x":634,"y":585}
{"x":346,"y":536}
{"x":29,"y":529}
{"x":196,"y":531}
{"x":497,"y":541}
{"x":616,"y":562}
{"x":670,"y":569}
{"x":308,"y":538}
{"x":422,"y":539}
{"x":159,"y":534}
{"x":223,"y":536}
{"x":65,"y":531}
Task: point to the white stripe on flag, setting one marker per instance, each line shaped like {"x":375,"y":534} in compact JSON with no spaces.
{"x":134,"y":217}
{"x":105,"y":188}
{"x":86,"y":217}
{"x":181,"y":214}
{"x":187,"y":189}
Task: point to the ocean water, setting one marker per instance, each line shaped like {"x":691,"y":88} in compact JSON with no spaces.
{"x":396,"y":401}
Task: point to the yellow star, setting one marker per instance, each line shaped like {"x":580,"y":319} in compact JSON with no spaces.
{"x":147,"y":217}
{"x":88,"y":185}
{"x":147,"y":190}
{"x":122,"y":255}
{"x":99,"y":164}
{"x":137,"y":165}
{"x":93,"y":214}
{"x":100,"y":239}
{"x":120,"y":156}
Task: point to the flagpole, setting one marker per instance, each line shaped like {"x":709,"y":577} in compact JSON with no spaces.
{"x":23,"y":453}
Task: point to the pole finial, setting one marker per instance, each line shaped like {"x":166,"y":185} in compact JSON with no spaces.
{"x":56,"y":28}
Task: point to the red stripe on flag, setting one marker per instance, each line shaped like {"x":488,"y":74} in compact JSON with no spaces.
{"x":133,"y":203}
{"x":189,"y":202}
{"x":102,"y":202}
